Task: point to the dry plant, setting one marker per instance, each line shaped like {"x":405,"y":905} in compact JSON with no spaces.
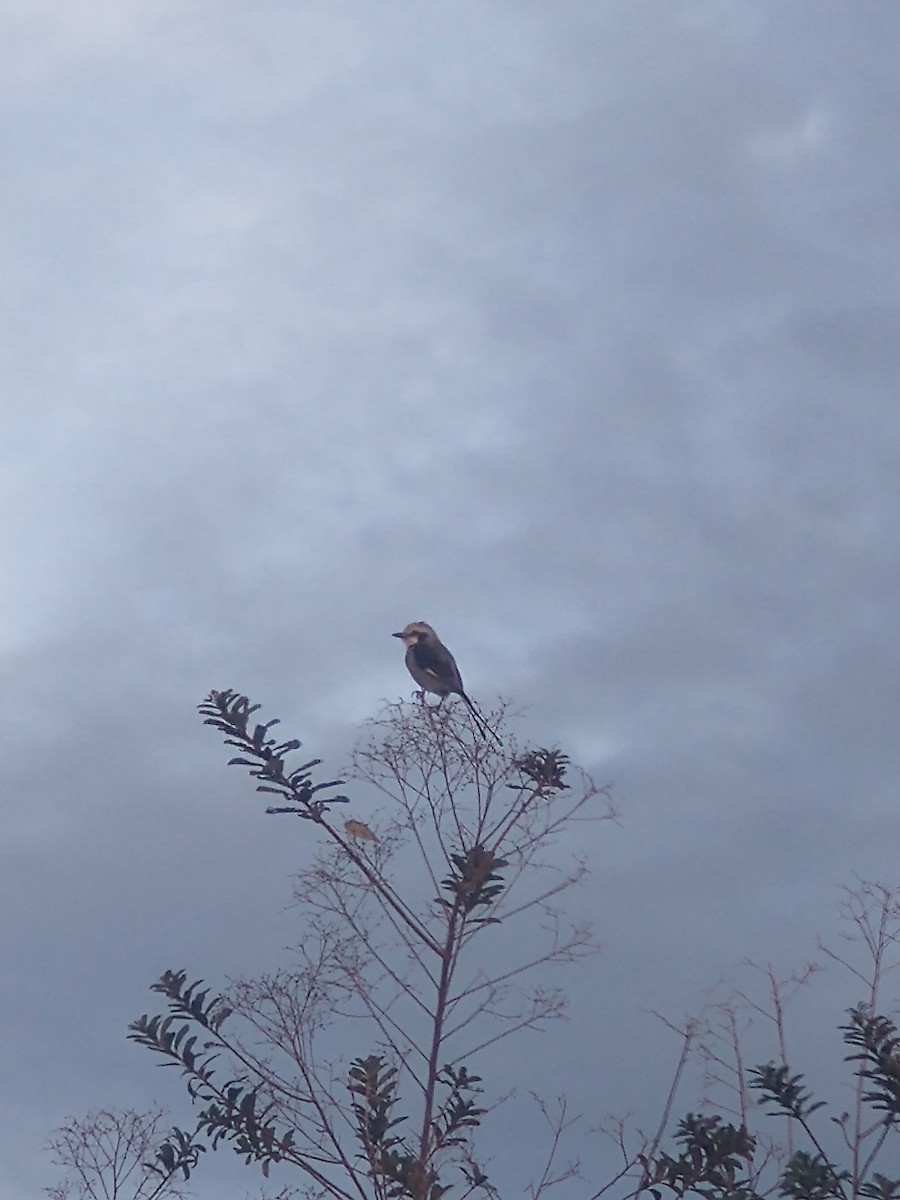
{"x":729,"y":1154}
{"x":431,"y":931}
{"x":357,"y":1063}
{"x":104,"y":1157}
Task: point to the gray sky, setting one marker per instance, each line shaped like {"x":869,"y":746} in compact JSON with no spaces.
{"x":570,"y":328}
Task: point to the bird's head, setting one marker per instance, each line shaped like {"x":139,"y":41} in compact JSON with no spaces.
{"x":415,"y":632}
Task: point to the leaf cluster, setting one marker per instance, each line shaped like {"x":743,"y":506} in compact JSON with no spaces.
{"x":230,"y":712}
{"x":811,"y":1177}
{"x":544,"y":769}
{"x":878,"y":1049}
{"x":180,"y":1152}
{"x":401,"y":1173}
{"x":476,"y":883}
{"x":713,"y":1158}
{"x":459,"y":1111}
{"x":234,"y":1113}
{"x":784,"y":1091}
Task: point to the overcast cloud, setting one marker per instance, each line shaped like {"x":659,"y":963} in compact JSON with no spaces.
{"x":570,"y":328}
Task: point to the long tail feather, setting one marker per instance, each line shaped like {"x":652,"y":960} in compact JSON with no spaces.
{"x":483,"y":727}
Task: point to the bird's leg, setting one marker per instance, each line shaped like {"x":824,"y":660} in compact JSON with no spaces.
{"x":433,"y":708}
{"x":429,"y":708}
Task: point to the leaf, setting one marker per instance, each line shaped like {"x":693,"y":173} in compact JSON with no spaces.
{"x":359,"y":829}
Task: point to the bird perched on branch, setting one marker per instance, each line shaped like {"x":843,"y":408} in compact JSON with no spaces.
{"x":434,"y":668}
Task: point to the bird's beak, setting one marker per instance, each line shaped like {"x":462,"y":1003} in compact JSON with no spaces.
{"x":399,"y":635}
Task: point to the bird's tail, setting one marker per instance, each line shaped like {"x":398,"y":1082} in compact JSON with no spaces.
{"x":483,"y":728}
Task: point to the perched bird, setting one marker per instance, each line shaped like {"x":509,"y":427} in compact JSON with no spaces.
{"x":434,"y":668}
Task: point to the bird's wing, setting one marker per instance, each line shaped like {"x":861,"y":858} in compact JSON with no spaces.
{"x":438,"y":662}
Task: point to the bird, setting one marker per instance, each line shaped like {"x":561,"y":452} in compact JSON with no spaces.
{"x":434,"y":668}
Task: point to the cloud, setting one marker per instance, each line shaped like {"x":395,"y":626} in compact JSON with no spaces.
{"x":568,"y":330}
